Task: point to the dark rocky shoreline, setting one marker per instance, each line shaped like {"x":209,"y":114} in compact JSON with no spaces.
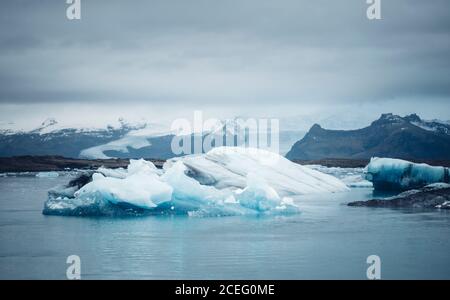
{"x":432,"y":196}
{"x":31,"y":163}
{"x":59,"y":163}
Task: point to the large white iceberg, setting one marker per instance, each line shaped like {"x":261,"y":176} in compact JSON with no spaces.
{"x":397,"y":174}
{"x":225,"y":181}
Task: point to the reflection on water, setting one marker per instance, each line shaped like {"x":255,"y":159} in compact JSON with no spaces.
{"x":327,"y":240}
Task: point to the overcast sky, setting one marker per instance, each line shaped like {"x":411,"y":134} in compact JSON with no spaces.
{"x":163,"y":59}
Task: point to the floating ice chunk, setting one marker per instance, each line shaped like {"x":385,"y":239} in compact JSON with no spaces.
{"x":360,"y":184}
{"x":222,"y":182}
{"x":352,"y":177}
{"x":357,"y":181}
{"x":445,"y":205}
{"x":397,"y":174}
{"x":47,"y":174}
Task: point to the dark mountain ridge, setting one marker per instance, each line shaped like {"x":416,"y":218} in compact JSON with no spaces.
{"x":390,"y":136}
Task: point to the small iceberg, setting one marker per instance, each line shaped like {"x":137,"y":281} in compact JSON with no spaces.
{"x":47,"y":174}
{"x":352,"y":177}
{"x":397,"y":174}
{"x":224,"y":181}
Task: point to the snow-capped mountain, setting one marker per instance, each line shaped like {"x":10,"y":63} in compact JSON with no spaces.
{"x":54,"y":138}
{"x":442,"y":127}
{"x":119,"y":140}
{"x":47,"y":126}
{"x":123,"y":139}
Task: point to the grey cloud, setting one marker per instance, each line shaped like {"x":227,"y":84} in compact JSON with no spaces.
{"x":238,"y":52}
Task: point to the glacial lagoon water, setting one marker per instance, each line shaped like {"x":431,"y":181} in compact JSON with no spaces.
{"x":327,"y":240}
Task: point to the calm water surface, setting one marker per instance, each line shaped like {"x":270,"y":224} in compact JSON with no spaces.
{"x":328,"y":240}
